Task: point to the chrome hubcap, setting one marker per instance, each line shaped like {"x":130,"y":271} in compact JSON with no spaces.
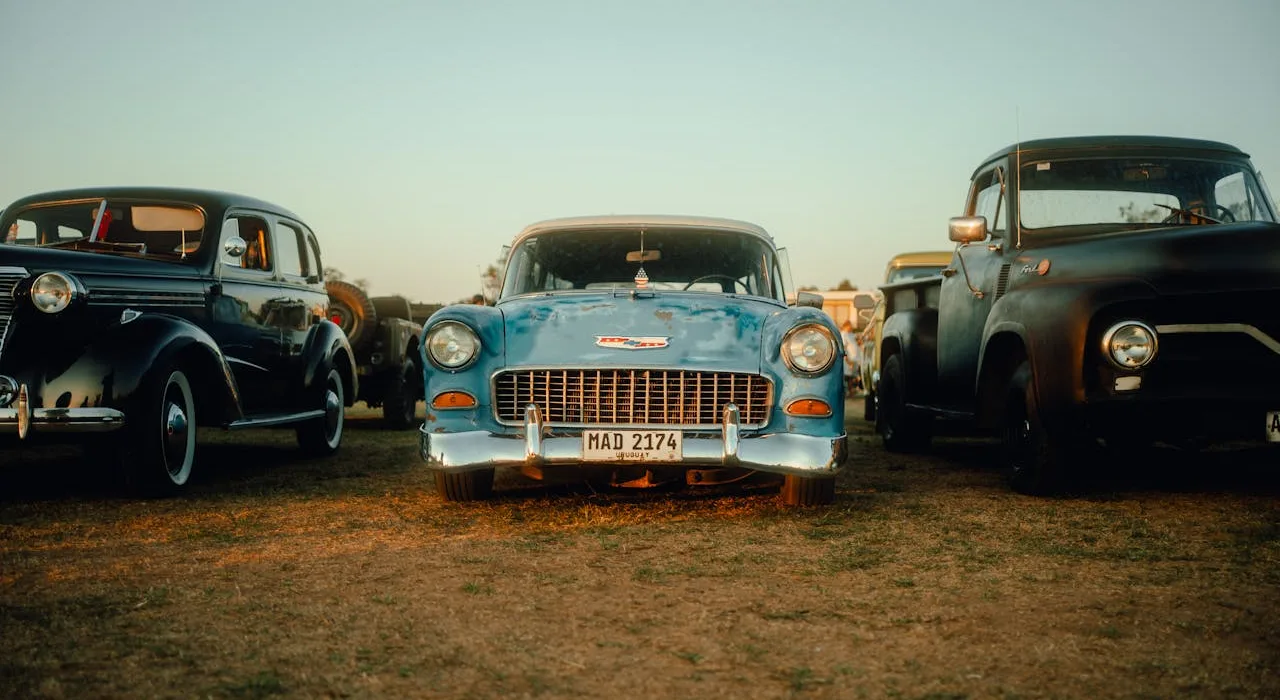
{"x":176,"y":434}
{"x":332,"y":411}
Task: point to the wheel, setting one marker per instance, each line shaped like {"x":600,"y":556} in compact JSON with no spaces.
{"x":466,"y":486}
{"x":322,"y":436}
{"x":734,"y":282}
{"x":808,"y":490}
{"x":899,"y":428}
{"x":353,"y":312}
{"x":1036,"y":457}
{"x":159,"y":451}
{"x":869,"y":405}
{"x":400,"y":402}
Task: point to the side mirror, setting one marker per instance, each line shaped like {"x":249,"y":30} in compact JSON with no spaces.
{"x":809,"y":299}
{"x":967,"y":229}
{"x":234,"y":247}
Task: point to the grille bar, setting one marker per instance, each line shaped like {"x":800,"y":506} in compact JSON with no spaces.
{"x":9,"y":278}
{"x":572,"y":397}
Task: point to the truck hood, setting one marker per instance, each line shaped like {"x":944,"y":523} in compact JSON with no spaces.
{"x":652,"y":329}
{"x":1181,"y":260}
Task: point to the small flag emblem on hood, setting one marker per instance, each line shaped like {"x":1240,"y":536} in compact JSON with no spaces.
{"x":623,"y":342}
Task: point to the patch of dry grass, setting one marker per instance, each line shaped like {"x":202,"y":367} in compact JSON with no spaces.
{"x":927,"y":579}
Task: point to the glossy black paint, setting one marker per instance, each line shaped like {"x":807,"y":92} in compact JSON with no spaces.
{"x":252,"y":340}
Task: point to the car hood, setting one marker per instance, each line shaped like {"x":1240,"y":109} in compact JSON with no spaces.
{"x":651,"y":329}
{"x":82,"y":262}
{"x":1183,"y":260}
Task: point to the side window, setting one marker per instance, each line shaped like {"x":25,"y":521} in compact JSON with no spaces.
{"x":988,"y":198}
{"x":314,"y":266}
{"x":289,"y":255}
{"x":258,"y":253}
{"x":1234,"y":194}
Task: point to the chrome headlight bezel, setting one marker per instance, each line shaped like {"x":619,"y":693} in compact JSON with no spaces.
{"x":1117,"y":340}
{"x":452,"y":345}
{"x":813,"y":336}
{"x":54,"y":292}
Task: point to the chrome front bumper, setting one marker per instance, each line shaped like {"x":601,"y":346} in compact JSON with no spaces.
{"x":21,"y":418}
{"x":779,"y":453}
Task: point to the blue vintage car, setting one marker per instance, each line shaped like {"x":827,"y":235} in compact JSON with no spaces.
{"x":641,"y":350}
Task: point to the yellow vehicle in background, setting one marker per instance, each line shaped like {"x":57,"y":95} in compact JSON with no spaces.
{"x":901,"y":267}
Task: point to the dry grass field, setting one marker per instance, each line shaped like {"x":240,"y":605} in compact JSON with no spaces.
{"x":348,"y":577}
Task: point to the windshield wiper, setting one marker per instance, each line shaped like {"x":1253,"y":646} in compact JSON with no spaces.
{"x":1190,"y":215}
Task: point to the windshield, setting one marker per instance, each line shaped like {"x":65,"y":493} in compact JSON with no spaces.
{"x":914,"y":272}
{"x":1125,"y":193}
{"x":139,"y":228}
{"x":698,"y":261}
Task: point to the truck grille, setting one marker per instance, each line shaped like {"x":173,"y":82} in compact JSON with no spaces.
{"x":9,"y":278}
{"x":571,"y":397}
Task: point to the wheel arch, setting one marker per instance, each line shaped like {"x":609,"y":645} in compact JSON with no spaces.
{"x":1005,"y":350}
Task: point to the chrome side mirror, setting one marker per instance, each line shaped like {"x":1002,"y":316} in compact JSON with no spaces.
{"x":234,"y":247}
{"x":809,"y":299}
{"x":967,"y":229}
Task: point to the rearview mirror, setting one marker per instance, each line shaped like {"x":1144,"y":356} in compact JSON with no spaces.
{"x":809,"y":299}
{"x":644,"y":256}
{"x":967,"y":229}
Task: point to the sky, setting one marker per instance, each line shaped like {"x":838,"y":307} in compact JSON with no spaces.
{"x":417,"y":138}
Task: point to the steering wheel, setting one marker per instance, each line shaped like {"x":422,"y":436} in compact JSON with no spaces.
{"x":1226,"y":216}
{"x":732,"y":281}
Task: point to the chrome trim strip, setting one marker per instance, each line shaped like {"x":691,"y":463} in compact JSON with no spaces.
{"x":1271,"y":343}
{"x":282,"y":419}
{"x":59,"y":420}
{"x":245,"y":363}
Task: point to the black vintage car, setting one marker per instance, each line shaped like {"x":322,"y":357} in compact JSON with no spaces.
{"x":1107,"y":291}
{"x":142,"y":313}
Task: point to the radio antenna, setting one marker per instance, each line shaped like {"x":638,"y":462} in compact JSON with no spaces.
{"x":1017,"y":175}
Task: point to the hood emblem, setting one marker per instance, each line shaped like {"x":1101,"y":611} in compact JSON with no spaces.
{"x":624,"y":342}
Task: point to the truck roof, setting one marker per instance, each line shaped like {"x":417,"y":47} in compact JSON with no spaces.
{"x":1090,"y":143}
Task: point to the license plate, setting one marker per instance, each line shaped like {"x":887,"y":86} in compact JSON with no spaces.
{"x":1273,"y":426}
{"x":632,"y":445}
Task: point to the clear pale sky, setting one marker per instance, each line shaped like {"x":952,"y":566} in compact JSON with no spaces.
{"x":417,"y":138}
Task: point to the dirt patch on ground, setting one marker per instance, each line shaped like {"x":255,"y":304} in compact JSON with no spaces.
{"x":349,"y":577}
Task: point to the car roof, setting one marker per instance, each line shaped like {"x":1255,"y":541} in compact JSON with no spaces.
{"x":1087,"y":143}
{"x":211,"y":200}
{"x":693,"y":223}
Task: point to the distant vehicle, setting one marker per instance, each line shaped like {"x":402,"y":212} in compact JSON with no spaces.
{"x":639,"y":350}
{"x":145,"y":313}
{"x":1113,"y":290}
{"x":385,"y":340}
{"x":855,"y":306}
{"x":902,"y":267}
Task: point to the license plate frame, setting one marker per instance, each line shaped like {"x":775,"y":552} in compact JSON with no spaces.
{"x":639,"y":446}
{"x":1273,"y":426}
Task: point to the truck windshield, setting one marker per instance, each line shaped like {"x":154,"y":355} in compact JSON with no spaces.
{"x":163,"y":230}
{"x":696,"y":261}
{"x":1125,"y":193}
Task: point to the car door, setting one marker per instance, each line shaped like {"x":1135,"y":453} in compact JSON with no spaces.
{"x":302,"y":301}
{"x":243,"y":323}
{"x":968,"y":295}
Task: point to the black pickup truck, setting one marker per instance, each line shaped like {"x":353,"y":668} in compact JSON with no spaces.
{"x":1105,"y":292}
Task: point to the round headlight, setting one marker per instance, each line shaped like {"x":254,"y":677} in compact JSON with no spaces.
{"x":52,"y":292}
{"x":809,"y":349}
{"x":452,"y":345}
{"x":1130,"y":344}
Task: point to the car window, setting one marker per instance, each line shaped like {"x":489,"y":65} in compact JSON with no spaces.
{"x":988,"y":198}
{"x":289,"y":250}
{"x":314,"y":265}
{"x":258,"y":253}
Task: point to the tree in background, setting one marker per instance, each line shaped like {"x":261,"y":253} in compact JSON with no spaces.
{"x":846,"y":286}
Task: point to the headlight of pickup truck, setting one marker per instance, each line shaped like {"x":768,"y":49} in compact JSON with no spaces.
{"x":452,"y":345}
{"x":809,"y":349}
{"x":1130,"y":344}
{"x":52,"y":292}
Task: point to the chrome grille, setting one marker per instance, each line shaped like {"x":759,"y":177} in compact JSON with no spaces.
{"x":570,"y":397}
{"x":9,"y":278}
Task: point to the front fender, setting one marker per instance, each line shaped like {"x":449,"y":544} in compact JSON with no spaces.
{"x":913,"y":334}
{"x":789,"y":385}
{"x":487,"y":322}
{"x":326,"y":346}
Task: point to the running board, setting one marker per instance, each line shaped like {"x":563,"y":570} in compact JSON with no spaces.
{"x":275,"y":419}
{"x":943,"y":413}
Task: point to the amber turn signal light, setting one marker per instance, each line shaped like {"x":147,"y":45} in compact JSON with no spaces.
{"x":453,"y":399}
{"x":809,"y":407}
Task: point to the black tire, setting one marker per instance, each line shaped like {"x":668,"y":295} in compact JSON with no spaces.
{"x":159,"y":447}
{"x":899,"y":428}
{"x":466,"y":486}
{"x":1036,"y":457}
{"x":869,"y":406}
{"x":808,"y":490}
{"x":322,"y":436}
{"x":351,"y":309}
{"x":400,"y":402}
{"x":392,"y":307}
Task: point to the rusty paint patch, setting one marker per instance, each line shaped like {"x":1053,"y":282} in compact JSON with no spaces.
{"x":664,"y":316}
